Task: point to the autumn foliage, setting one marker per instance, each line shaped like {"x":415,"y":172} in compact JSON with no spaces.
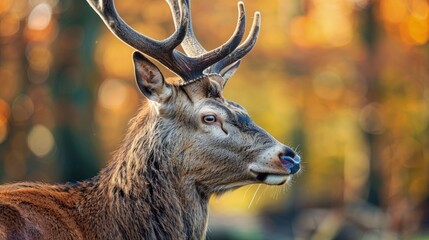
{"x":346,"y":82}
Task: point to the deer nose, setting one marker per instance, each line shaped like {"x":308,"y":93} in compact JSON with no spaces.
{"x":290,"y":160}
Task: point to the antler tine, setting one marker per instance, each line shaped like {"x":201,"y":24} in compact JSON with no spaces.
{"x":201,"y":57}
{"x":243,"y":49}
{"x":163,"y":51}
{"x":227,"y":48}
{"x":190,"y":44}
{"x":233,"y":52}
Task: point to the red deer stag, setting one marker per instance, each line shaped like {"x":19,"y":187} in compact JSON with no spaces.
{"x":186,"y":143}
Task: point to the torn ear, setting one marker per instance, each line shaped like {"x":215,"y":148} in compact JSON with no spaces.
{"x":150,"y":80}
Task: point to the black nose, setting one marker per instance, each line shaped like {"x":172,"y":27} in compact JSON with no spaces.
{"x":290,"y":160}
{"x":289,"y":152}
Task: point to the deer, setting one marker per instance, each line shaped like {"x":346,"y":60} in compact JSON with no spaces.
{"x":185,"y":144}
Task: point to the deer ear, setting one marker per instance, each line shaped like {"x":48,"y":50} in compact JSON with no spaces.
{"x":150,"y":80}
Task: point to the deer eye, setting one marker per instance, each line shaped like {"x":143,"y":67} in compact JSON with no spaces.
{"x":209,"y":119}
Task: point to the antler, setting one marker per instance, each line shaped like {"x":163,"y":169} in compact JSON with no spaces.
{"x":193,"y":47}
{"x":198,"y":62}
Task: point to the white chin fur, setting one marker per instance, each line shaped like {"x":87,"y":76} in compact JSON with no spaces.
{"x":276,"y":179}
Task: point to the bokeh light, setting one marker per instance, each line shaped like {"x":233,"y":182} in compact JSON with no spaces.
{"x":22,"y":108}
{"x":4,"y":116}
{"x":113,"y":94}
{"x":9,"y":24}
{"x":40,"y":17}
{"x":39,"y":58}
{"x":371,"y":120}
{"x":408,"y":19}
{"x":40,"y":140}
{"x":3,"y":129}
{"x":327,"y":23}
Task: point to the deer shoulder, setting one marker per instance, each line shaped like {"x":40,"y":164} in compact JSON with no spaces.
{"x":35,"y":211}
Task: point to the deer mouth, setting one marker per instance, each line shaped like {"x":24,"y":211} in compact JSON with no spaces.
{"x":270,"y":178}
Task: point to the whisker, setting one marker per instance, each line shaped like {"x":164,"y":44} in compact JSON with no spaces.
{"x":253,"y":198}
{"x":260,"y":195}
{"x":283,"y":189}
{"x":278,"y":193}
{"x":297,"y":150}
{"x":274,"y":193}
{"x":247,"y":190}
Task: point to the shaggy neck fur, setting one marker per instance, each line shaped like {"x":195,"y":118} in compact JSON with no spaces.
{"x":142,"y":190}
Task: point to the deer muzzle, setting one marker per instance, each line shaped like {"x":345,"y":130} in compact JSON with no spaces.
{"x":276,"y":165}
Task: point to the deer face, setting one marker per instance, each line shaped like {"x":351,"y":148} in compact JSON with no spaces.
{"x":218,"y":145}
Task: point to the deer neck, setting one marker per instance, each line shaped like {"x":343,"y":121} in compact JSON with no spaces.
{"x":146,"y":195}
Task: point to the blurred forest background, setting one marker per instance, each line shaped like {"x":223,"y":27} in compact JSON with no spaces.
{"x":346,"y":82}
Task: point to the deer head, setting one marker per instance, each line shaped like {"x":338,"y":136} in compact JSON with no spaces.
{"x":210,"y":141}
